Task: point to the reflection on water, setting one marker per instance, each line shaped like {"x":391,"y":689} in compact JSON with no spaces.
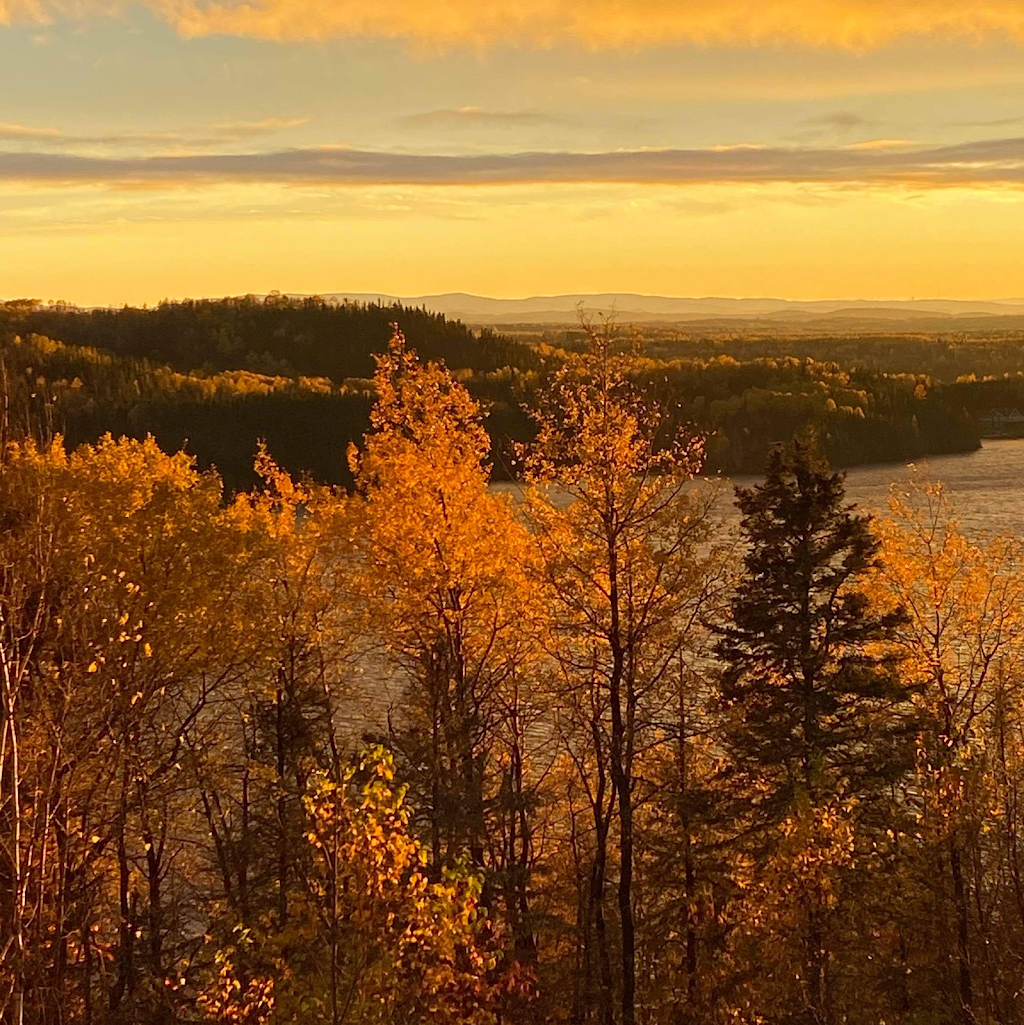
{"x":987,"y":486}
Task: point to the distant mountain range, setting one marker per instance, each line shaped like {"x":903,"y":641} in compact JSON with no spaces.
{"x":632,"y":308}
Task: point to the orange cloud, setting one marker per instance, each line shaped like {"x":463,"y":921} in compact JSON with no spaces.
{"x":266,"y":126}
{"x":986,"y":163}
{"x":221,"y":132}
{"x":9,"y":130}
{"x":856,"y":24}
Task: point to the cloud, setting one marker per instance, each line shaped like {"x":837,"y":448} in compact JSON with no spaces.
{"x":874,"y":144}
{"x":1002,"y":122}
{"x":221,"y":132}
{"x":124,"y":139}
{"x":476,"y":117}
{"x":838,"y":121}
{"x":856,"y":24}
{"x":267,"y":126}
{"x":55,"y":137}
{"x":992,"y":162}
{"x":16,"y":131}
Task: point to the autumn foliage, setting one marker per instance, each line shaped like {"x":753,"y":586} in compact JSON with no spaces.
{"x":435,"y":752}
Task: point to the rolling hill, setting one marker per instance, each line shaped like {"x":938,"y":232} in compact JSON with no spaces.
{"x":629,"y":307}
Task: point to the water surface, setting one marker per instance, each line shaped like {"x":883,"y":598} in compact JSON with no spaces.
{"x":987,"y":486}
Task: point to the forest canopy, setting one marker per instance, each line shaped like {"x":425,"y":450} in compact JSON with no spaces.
{"x":413,"y":754}
{"x":217,"y":376}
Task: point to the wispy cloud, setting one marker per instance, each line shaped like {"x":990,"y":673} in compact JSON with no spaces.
{"x":823,"y":129}
{"x":9,"y":130}
{"x":55,"y":137}
{"x":220,"y":133}
{"x":1001,"y":122}
{"x":837,"y":121}
{"x":993,"y":162}
{"x":852,"y":23}
{"x":876,"y":144}
{"x":476,"y":117}
{"x":247,"y":129}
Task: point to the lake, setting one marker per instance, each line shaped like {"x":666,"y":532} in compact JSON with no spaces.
{"x":987,"y":486}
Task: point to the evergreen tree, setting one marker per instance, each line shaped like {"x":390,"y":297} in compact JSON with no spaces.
{"x":816,"y":717}
{"x":806,"y":657}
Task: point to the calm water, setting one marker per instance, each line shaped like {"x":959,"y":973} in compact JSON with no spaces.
{"x":987,"y":486}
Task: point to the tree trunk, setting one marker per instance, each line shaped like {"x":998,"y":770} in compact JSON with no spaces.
{"x":622,"y":782}
{"x":965,"y":982}
{"x":815,"y":965}
{"x":689,"y":872}
{"x":598,"y":872}
{"x":282,"y":812}
{"x":597,"y":878}
{"x":156,"y":929}
{"x":10,"y":777}
{"x":126,"y":924}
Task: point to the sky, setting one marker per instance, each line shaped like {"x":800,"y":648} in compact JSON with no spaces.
{"x":799,"y":149}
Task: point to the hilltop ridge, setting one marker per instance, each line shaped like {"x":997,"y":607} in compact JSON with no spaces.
{"x":629,"y":306}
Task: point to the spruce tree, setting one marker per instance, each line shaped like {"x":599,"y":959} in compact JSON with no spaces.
{"x":817,"y":718}
{"x":805,"y":659}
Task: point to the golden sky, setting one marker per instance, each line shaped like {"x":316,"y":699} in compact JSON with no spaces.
{"x":730,"y":147}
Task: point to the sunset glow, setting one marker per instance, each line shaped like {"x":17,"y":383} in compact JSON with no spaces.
{"x":177,"y":148}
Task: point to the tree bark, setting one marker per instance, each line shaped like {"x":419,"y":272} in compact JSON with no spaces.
{"x":622,"y":781}
{"x":965,"y":982}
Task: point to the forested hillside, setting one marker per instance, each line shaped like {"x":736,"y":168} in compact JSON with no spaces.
{"x":275,"y":335}
{"x":415,"y":755}
{"x":217,"y":376}
{"x":943,"y":356}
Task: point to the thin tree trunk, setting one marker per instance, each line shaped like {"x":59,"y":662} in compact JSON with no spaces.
{"x":87,"y":956}
{"x":583,"y":977}
{"x":597,"y":879}
{"x":126,"y":924}
{"x":436,"y":727}
{"x":689,"y":872}
{"x":11,"y":774}
{"x":155,"y":915}
{"x":625,"y":897}
{"x":598,"y":872}
{"x":621,"y":766}
{"x":815,"y":963}
{"x":282,"y":813}
{"x":527,"y":941}
{"x":335,"y":1010}
{"x":965,"y":982}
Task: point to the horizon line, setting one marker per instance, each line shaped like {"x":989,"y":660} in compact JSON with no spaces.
{"x":384,"y":294}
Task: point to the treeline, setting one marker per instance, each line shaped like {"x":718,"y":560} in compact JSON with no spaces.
{"x":217,"y":376}
{"x":220,"y":375}
{"x":942,"y":356}
{"x":220,"y":416}
{"x":275,"y":335}
{"x":417,"y":754}
{"x":746,"y":408}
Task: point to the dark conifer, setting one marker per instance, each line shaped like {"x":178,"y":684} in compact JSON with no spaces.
{"x":816,"y":705}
